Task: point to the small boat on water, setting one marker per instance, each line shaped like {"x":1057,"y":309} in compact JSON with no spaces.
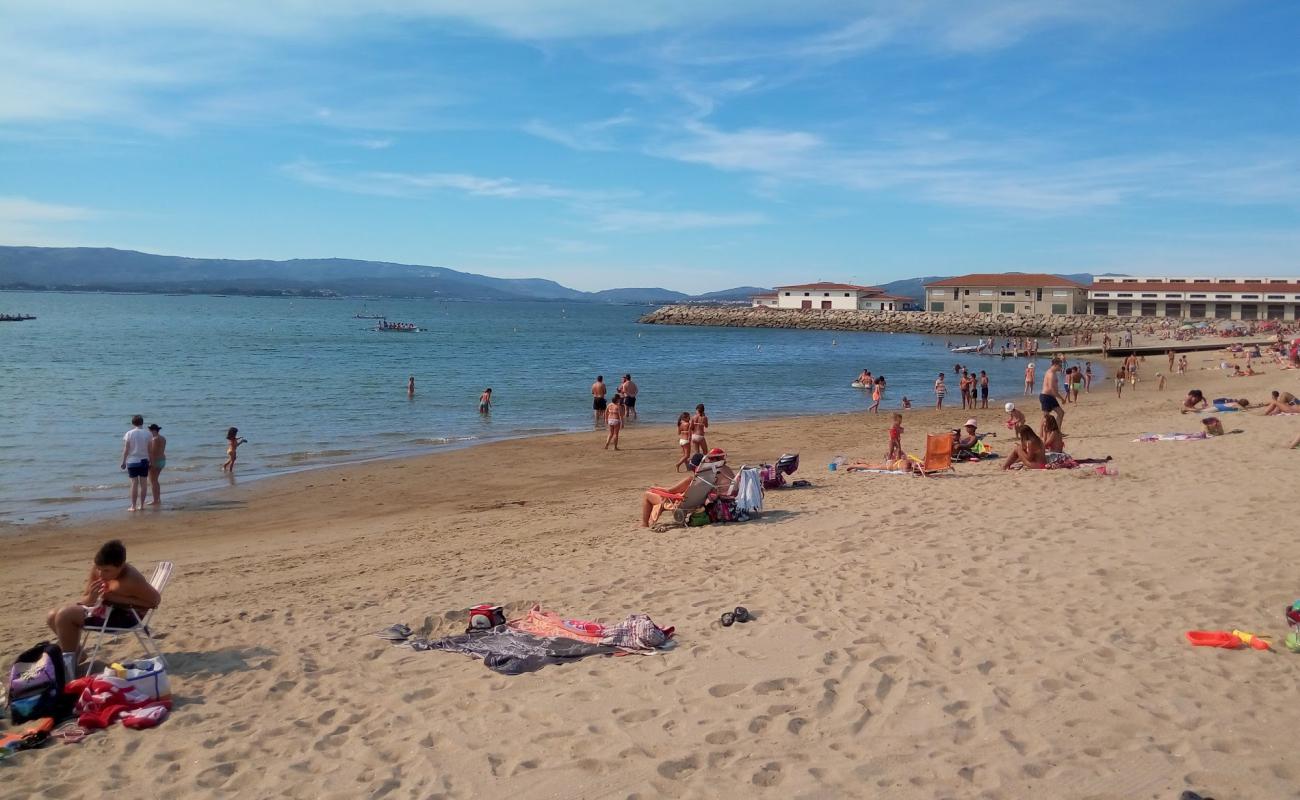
{"x":397,"y":327}
{"x":15,"y":317}
{"x":368,"y":316}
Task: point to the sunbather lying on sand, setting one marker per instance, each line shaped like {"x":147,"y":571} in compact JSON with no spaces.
{"x":1282,"y":403}
{"x":1029,"y":452}
{"x":1195,"y":401}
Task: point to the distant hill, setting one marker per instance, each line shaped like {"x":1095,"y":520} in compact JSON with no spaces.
{"x":732,"y":295}
{"x":649,"y":296}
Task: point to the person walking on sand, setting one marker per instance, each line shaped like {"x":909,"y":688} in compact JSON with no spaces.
{"x":629,"y":390}
{"x":135,"y":460}
{"x":1029,"y":378}
{"x":684,"y":438}
{"x":485,"y":401}
{"x":1050,"y":399}
{"x":614,"y":415}
{"x":939,"y":391}
{"x":157,"y":460}
{"x":1120,"y":377}
{"x":1087,"y":376}
{"x":598,"y":398}
{"x":233,"y":441}
{"x":699,"y":424}
{"x":984,"y":389}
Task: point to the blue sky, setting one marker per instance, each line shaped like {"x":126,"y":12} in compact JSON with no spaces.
{"x":689,"y":145}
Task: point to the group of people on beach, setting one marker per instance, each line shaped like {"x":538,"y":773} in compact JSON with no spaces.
{"x":144,"y":457}
{"x":618,"y":410}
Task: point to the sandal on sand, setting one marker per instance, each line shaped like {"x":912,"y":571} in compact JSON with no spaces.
{"x":395,"y":633}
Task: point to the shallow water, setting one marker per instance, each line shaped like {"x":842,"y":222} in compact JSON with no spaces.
{"x":308,"y":384}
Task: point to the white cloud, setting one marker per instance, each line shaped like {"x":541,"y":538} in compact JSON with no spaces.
{"x":24,"y":221}
{"x":374,"y":144}
{"x":639,"y":221}
{"x":413,"y":184}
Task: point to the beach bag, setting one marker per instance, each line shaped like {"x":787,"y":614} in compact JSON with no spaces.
{"x":722,"y":510}
{"x":772,"y":477}
{"x":147,"y":676}
{"x":35,"y":686}
{"x":485,"y":617}
{"x":698,"y":518}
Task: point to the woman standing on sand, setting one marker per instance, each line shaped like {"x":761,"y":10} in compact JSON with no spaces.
{"x":614,"y":415}
{"x":699,"y":424}
{"x":683,"y":438}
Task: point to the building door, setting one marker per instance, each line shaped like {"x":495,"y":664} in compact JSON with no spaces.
{"x":1173,"y":309}
{"x":1124,"y":309}
{"x":1148,"y":309}
{"x":1250,"y":311}
{"x":805,"y":304}
{"x":826,"y":304}
{"x":1277,"y":312}
{"x":1223,"y":311}
{"x":1196,"y":310}
{"x":1100,"y":309}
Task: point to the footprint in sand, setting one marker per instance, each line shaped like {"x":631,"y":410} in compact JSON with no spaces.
{"x":721,"y":737}
{"x":775,"y":685}
{"x":768,"y":775}
{"x":725,"y":689}
{"x":639,"y":716}
{"x":680,"y":768}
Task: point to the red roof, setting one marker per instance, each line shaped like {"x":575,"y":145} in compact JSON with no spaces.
{"x":1188,"y":286}
{"x":834,"y":287}
{"x":1018,"y":280}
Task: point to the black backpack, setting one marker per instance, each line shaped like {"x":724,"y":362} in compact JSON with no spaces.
{"x":35,"y":686}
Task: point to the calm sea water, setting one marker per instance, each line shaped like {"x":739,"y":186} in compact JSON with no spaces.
{"x":308,"y":384}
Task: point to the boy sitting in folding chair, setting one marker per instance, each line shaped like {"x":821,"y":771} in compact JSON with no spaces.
{"x":115,"y":593}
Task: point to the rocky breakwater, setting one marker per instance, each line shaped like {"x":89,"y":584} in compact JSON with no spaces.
{"x":939,"y":324}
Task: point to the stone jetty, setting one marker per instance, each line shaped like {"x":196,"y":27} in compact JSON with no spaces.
{"x":937,"y":323}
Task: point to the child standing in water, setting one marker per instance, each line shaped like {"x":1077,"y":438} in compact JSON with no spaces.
{"x":485,"y":401}
{"x":939,"y":391}
{"x":684,"y":438}
{"x":233,"y":441}
{"x":895,"y":439}
{"x":877,"y":394}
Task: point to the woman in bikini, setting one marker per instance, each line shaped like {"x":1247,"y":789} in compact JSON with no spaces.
{"x":684,"y":438}
{"x":877,"y":394}
{"x":1029,"y":453}
{"x":699,"y":424}
{"x":614,"y":420}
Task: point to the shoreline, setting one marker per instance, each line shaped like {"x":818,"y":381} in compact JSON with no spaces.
{"x":982,"y":632}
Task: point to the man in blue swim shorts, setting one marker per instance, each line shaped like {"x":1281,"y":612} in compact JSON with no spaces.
{"x":135,"y":460}
{"x":1049,"y":400}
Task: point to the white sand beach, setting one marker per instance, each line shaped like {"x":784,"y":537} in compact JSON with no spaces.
{"x":984,"y":634}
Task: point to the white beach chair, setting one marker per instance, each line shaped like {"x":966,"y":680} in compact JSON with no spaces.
{"x":161,"y":575}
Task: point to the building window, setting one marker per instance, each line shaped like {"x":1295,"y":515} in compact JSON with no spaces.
{"x":1010,"y":292}
{"x":956,"y":294}
{"x":805,"y":294}
{"x":1039,"y":297}
{"x":1008,"y":308}
{"x":828,"y":294}
{"x":986,"y":292}
{"x":846,"y":294}
{"x":1150,"y":295}
{"x":1124,"y":294}
{"x":1101,"y":294}
{"x":986,"y":308}
{"x":1276,"y":312}
{"x":1277,"y":297}
{"x":787,"y":294}
{"x":1173,"y":309}
{"x":1201,"y":280}
{"x":1060,"y":293}
{"x":1100,"y":309}
{"x":1124,"y":309}
{"x":1173,"y":296}
{"x":1197,"y":296}
{"x":1148,"y":309}
{"x":1250,"y":297}
{"x":1196,"y":310}
{"x":936,"y":306}
{"x":1223,"y":311}
{"x":1223,"y":297}
{"x":1060,"y":308}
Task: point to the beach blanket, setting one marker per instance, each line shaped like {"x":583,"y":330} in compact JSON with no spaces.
{"x":636,"y":634}
{"x":1171,"y":437}
{"x":512,"y":652}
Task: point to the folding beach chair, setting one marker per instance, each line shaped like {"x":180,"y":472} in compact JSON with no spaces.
{"x":938,"y":453}
{"x":161,"y":575}
{"x":696,"y":495}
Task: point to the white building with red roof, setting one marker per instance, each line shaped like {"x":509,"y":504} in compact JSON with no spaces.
{"x":1020,"y":293}
{"x":1196,"y":298}
{"x":830,"y":296}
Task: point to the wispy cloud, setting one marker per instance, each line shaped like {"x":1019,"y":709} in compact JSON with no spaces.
{"x":596,"y":135}
{"x":24,"y":221}
{"x":412,"y":184}
{"x":374,"y":144}
{"x":640,"y":221}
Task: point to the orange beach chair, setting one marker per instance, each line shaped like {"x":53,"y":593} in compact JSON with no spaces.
{"x":938,"y":453}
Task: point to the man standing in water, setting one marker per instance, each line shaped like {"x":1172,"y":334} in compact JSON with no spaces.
{"x":135,"y":460}
{"x":1029,"y":378}
{"x":157,"y":460}
{"x":598,"y":399}
{"x":629,"y":389}
{"x":1050,"y":399}
{"x":410,"y":387}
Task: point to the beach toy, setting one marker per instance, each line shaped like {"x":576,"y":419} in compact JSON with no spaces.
{"x":1293,"y":614}
{"x":1254,"y":640}
{"x":1223,"y":639}
{"x":741,"y":614}
{"x":728,"y":619}
{"x":1293,"y":641}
